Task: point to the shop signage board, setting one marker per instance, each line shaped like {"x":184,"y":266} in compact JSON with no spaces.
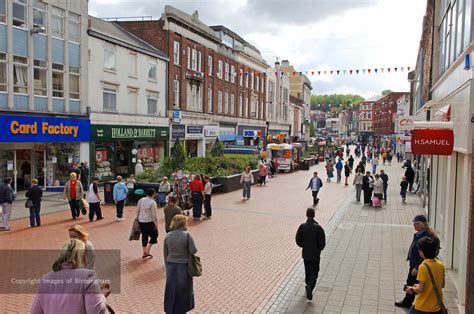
{"x":43,"y":129}
{"x":177,"y":116}
{"x":406,"y":123}
{"x":194,"y":131}
{"x":126,"y":132}
{"x":178,"y":131}
{"x":432,"y":141}
{"x":211,"y":131}
{"x":249,"y":133}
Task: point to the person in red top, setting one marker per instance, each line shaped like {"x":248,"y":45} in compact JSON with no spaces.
{"x":197,"y":194}
{"x":73,"y":192}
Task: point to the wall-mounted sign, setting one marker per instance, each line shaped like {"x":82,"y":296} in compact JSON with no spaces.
{"x":43,"y":129}
{"x":111,"y":132}
{"x":176,"y":116}
{"x":178,"y":131}
{"x":249,"y":133}
{"x":211,"y":131}
{"x":194,"y":131}
{"x":432,"y":141}
{"x":406,"y":123}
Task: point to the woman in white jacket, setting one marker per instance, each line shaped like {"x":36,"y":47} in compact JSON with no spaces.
{"x":378,"y":187}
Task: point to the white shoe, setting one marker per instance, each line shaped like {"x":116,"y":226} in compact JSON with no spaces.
{"x":121,"y":219}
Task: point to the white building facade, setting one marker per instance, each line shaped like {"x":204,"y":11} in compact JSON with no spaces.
{"x":278,"y":91}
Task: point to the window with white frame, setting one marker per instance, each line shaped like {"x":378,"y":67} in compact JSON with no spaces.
{"x":133,"y":99}
{"x":246,"y":107}
{"x":209,"y":99}
{"x":194,"y":97}
{"x":40,"y":16}
{"x":253,"y":113}
{"x":39,"y":77}
{"x":188,"y":50}
{"x":247,"y":79}
{"x":219,"y":102}
{"x":258,"y":83}
{"x":58,"y":80}
{"x":220,"y":69}
{"x":232,"y":104}
{"x":20,"y":13}
{"x":257,"y":107}
{"x":209,"y":65}
{"x":251,"y":81}
{"x":57,"y":22}
{"x":199,"y":62}
{"x":3,"y":72}
{"x":152,"y":69}
{"x":241,"y":105}
{"x":226,"y":71}
{"x":109,"y":56}
{"x":3,"y":11}
{"x":74,"y":79}
{"x":194,"y":57}
{"x":20,"y":75}
{"x":109,"y":97}
{"x":232,"y":74}
{"x":132,"y":63}
{"x":241,"y":77}
{"x":263,"y":85}
{"x":152,"y":103}
{"x":176,"y":54}
{"x":467,"y":27}
{"x":226,"y":99}
{"x":176,"y":94}
{"x":74,"y":27}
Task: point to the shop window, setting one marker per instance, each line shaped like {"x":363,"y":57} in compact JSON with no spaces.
{"x":39,"y":77}
{"x":3,"y":11}
{"x":58,"y":80}
{"x":20,"y":75}
{"x":57,"y":22}
{"x":39,"y":13}
{"x":209,"y":65}
{"x":109,"y":57}
{"x":152,"y":69}
{"x":467,"y":24}
{"x":176,"y":94}
{"x":151,"y":153}
{"x":3,"y":72}
{"x":20,"y":13}
{"x":60,"y":160}
{"x":209,"y":99}
{"x":152,"y":103}
{"x":132,"y":63}
{"x":104,"y":160}
{"x":109,"y":96}
{"x":74,"y":80}
{"x":74,"y":28}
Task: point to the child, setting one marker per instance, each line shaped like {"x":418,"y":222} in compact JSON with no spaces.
{"x":207,"y":197}
{"x":403,"y":188}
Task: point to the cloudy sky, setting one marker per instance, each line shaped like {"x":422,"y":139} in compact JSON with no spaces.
{"x":312,"y":34}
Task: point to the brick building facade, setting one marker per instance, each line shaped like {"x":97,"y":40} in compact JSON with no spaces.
{"x":384,"y":113}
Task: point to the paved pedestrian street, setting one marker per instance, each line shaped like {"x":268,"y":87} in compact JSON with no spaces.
{"x":250,"y":260}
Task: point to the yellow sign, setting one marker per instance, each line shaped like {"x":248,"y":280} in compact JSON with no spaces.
{"x":46,"y":128}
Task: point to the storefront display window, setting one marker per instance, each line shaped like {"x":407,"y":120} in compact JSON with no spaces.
{"x":123,"y":157}
{"x":104,"y":161}
{"x":151,"y":154}
{"x":60,"y":160}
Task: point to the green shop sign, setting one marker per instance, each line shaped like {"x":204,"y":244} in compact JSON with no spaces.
{"x":127,"y":132}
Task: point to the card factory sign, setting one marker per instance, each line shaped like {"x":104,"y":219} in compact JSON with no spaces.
{"x":432,"y":141}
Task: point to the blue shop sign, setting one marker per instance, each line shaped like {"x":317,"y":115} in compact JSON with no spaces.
{"x":43,"y":129}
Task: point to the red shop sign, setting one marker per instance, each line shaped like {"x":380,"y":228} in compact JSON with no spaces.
{"x":432,"y":141}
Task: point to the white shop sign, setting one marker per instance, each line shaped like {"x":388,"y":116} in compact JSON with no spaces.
{"x":406,"y":123}
{"x":211,"y":131}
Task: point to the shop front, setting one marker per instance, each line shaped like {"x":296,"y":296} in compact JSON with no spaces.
{"x":252,"y":135}
{"x":278,"y":136}
{"x":211,"y":133}
{"x":195,"y":141}
{"x":44,"y":148}
{"x":115,"y":150}
{"x":229,"y":136}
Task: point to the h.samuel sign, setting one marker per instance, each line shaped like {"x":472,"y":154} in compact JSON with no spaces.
{"x":432,"y":142}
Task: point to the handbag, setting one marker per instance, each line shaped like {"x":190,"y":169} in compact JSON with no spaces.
{"x":443,"y":309}
{"x":135,"y":233}
{"x":82,"y":206}
{"x":28,"y":203}
{"x":194,"y":264}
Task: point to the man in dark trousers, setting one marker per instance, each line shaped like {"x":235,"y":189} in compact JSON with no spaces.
{"x":311,"y":237}
{"x":384,"y":178}
{"x":315,"y":184}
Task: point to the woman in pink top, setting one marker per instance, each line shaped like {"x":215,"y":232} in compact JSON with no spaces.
{"x":56,"y":294}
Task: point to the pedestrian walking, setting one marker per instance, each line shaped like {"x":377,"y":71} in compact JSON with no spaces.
{"x":422,"y":230}
{"x":70,"y":287}
{"x":351,"y":162}
{"x":163,"y":190}
{"x":329,"y":170}
{"x":148,"y":220}
{"x":34,"y":195}
{"x":246,"y":180}
{"x":378,"y":191}
{"x":312,"y":239}
{"x":139,"y":168}
{"x":94,"y":200}
{"x":389,"y":159}
{"x":364,"y":159}
{"x":171,"y":210}
{"x":384,"y":157}
{"x":410,"y":175}
{"x":73,"y":192}
{"x":375,"y":163}
{"x":339,"y":167}
{"x":79,"y":233}
{"x":384,"y":178}
{"x":197,"y":196}
{"x":85,"y":175}
{"x":315,"y":184}
{"x":207,"y":197}
{"x":358,"y":183}
{"x":367,"y":187}
{"x":178,"y":246}
{"x":430,"y":278}
{"x":403,"y":189}
{"x":347,"y":172}
{"x":120,"y":194}
{"x":262,"y":173}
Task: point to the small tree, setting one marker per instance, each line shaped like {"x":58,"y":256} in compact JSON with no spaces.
{"x":218,"y":149}
{"x":178,"y":156}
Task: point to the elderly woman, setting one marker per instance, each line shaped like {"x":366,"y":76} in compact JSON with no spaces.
{"x":178,"y":246}
{"x":78,"y":232}
{"x":148,"y":220}
{"x":70,"y":288}
{"x":73,"y":192}
{"x":163,"y":190}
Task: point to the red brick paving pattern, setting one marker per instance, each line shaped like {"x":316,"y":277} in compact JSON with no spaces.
{"x":247,"y":248}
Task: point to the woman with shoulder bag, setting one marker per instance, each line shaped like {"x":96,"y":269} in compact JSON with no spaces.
{"x":178,"y":247}
{"x":148,"y":220}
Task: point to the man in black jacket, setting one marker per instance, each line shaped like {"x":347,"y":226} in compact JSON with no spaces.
{"x":311,"y":237}
{"x":35,"y":193}
{"x":7,"y":197}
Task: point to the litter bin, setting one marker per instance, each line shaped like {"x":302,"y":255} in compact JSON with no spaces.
{"x":109,"y":192}
{"x":304,"y":165}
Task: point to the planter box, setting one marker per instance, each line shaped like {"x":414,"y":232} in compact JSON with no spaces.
{"x":231,"y":183}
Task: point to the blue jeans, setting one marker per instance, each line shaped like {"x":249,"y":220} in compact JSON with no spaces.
{"x":339,"y":175}
{"x":246,"y":189}
{"x":35,"y":220}
{"x":374,"y":169}
{"x":414,"y":311}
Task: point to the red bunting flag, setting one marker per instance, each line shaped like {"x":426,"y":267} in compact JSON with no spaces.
{"x":332,"y":72}
{"x":312,"y":72}
{"x":388,"y":70}
{"x":350,"y":71}
{"x":368,"y":70}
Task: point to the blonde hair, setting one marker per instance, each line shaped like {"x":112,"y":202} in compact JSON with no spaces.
{"x":34,"y":181}
{"x":73,"y":253}
{"x":179,"y":222}
{"x":119,"y":178}
{"x":79,"y":229}
{"x":73,"y":174}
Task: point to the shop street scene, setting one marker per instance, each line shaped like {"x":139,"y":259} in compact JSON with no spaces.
{"x":236,"y":157}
